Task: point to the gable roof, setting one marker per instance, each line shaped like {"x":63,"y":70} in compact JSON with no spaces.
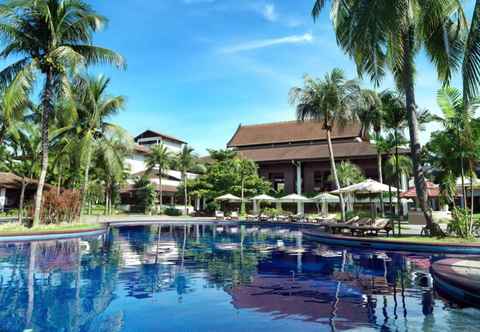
{"x":151,"y":133}
{"x":289,"y":131}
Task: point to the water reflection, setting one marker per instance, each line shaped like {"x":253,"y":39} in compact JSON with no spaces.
{"x":200,"y":277}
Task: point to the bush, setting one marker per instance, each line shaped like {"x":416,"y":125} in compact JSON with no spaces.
{"x":144,"y":195}
{"x":272,"y":212}
{"x":60,"y":208}
{"x":173,"y":212}
{"x":460,"y":224}
{"x":212,"y":207}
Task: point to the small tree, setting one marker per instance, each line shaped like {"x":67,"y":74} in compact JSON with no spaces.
{"x":144,"y":195}
{"x":160,"y":160}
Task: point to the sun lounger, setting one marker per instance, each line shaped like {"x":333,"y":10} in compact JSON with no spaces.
{"x":282,"y":218}
{"x":263,"y":217}
{"x":339,"y":227}
{"x":251,"y":217}
{"x":297,"y":218}
{"x":219,"y":215}
{"x":380,"y":225}
{"x":234,"y":216}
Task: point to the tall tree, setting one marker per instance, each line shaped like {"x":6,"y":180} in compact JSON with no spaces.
{"x":380,"y":34}
{"x":160,"y":160}
{"x":185,"y":161}
{"x":93,"y":107}
{"x":244,"y":169}
{"x":370,"y":114}
{"x":330,"y":101}
{"x":49,"y":38}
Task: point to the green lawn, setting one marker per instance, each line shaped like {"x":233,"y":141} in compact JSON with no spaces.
{"x":424,"y":239}
{"x":13,"y":228}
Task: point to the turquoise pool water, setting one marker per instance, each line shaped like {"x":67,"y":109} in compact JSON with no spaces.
{"x":211,"y":278}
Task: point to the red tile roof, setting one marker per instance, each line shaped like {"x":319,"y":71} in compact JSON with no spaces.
{"x":141,"y":149}
{"x":309,"y":152}
{"x":433,"y":190}
{"x":290,"y":131}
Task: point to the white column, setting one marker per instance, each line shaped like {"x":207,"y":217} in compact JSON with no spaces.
{"x":197,"y":204}
{"x":300,"y":207}
{"x":255,"y":207}
{"x":3,"y":198}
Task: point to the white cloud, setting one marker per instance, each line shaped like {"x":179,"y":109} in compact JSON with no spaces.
{"x":256,"y":44}
{"x":269,"y":12}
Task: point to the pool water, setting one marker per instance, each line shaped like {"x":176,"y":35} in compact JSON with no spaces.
{"x":218,"y":278}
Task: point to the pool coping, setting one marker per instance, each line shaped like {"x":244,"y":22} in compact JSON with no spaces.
{"x":51,"y":235}
{"x":381,"y":244}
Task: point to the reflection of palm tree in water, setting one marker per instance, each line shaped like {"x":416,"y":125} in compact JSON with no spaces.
{"x":31,"y":286}
{"x":337,"y":294}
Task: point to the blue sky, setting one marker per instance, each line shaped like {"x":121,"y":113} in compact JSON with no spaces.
{"x":199,"y":68}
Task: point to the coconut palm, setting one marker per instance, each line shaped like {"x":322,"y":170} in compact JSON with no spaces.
{"x":402,"y":166}
{"x":49,"y":38}
{"x":185,"y":161}
{"x":93,"y":107}
{"x":381,"y":35}
{"x":330,"y":101}
{"x":370,"y":114}
{"x":160,"y":160}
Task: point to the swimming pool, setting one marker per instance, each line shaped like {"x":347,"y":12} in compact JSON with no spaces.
{"x":217,"y":278}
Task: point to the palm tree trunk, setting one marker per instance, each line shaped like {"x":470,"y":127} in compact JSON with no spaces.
{"x":85,"y":180}
{"x":415,"y":148}
{"x":380,"y":179}
{"x":399,"y":209}
{"x":47,"y":103}
{"x":334,"y":173}
{"x":185,"y":191}
{"x":471,"y":202}
{"x":160,"y":190}
{"x":22,"y":199}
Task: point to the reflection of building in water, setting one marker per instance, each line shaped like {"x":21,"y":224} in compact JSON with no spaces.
{"x":155,"y":252}
{"x":313,"y":300}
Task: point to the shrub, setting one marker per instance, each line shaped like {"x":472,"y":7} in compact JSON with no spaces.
{"x":272,"y":212}
{"x":144,"y":195}
{"x":460,"y":224}
{"x":212,"y":207}
{"x":61,"y":207}
{"x":173,"y":212}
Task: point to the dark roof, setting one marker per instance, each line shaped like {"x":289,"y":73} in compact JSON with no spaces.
{"x":12,"y":181}
{"x":310,"y":152}
{"x":151,"y":133}
{"x":290,"y":131}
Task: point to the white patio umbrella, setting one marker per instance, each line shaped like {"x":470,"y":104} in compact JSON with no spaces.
{"x":261,"y":198}
{"x":326,"y":198}
{"x":228,"y":197}
{"x":366,"y":187}
{"x":295,"y":198}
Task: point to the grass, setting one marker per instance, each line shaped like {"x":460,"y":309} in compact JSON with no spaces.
{"x":425,"y":239}
{"x":15,"y":228}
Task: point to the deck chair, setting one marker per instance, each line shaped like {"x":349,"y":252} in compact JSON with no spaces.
{"x":219,"y":215}
{"x":339,"y":227}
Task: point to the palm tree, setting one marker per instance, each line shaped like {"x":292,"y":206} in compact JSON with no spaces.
{"x":14,"y":101}
{"x":349,"y":174}
{"x":185,"y":161}
{"x":49,"y":38}
{"x":159,"y":159}
{"x":380,"y":34}
{"x":92,"y":109}
{"x":331,"y":102}
{"x":370,"y":115}
{"x":109,"y":163}
{"x":26,"y":149}
{"x":458,"y":118}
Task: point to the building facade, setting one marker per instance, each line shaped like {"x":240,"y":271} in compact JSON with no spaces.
{"x":136,"y":164}
{"x":294,"y":156}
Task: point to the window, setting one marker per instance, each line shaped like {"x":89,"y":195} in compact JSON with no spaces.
{"x":277,"y":180}
{"x":317,"y":180}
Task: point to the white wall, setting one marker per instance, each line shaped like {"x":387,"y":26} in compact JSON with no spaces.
{"x":136,"y":162}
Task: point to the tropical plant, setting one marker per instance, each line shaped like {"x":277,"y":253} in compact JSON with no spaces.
{"x":349,"y":174}
{"x":49,"y":38}
{"x":159,"y":159}
{"x":244,"y":169}
{"x":144,"y":195}
{"x":381,"y":34}
{"x":88,"y":120}
{"x":185,"y":161}
{"x":23,"y":161}
{"x":330,"y":101}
